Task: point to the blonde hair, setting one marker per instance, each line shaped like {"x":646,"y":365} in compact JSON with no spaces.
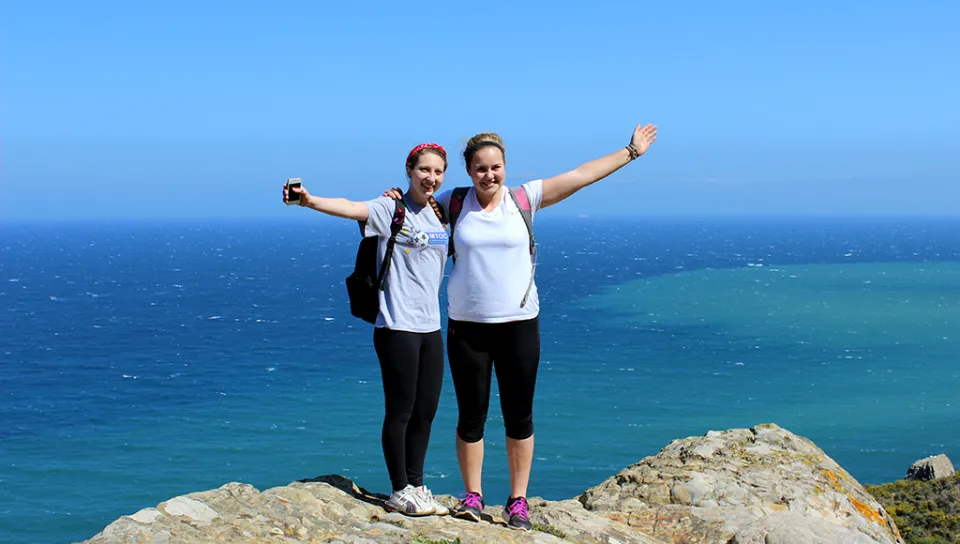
{"x":480,"y":141}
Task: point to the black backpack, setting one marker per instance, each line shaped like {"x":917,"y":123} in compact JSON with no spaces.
{"x":365,"y":283}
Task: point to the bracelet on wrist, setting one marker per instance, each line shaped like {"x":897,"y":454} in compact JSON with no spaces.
{"x":632,"y":149}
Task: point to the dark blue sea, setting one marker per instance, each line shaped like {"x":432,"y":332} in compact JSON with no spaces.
{"x":144,"y":360}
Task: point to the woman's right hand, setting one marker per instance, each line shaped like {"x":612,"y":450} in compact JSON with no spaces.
{"x":302,"y":191}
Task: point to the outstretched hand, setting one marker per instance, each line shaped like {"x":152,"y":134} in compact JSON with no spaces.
{"x":643,"y":137}
{"x":395,"y":193}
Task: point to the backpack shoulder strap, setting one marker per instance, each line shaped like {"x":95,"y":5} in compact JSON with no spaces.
{"x":519,"y":196}
{"x":399,"y":210}
{"x":399,"y":213}
{"x":456,"y":203}
{"x":455,"y":207}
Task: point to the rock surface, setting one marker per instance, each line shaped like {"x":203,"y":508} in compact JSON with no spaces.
{"x":759,"y":485}
{"x":763,"y":485}
{"x":334,"y":509}
{"x":931,"y":468}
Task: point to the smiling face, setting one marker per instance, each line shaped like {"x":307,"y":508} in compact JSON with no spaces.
{"x":426,"y":174}
{"x":487,"y":170}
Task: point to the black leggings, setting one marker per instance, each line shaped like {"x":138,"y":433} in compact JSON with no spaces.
{"x":474,"y":350}
{"x":411,"y":365}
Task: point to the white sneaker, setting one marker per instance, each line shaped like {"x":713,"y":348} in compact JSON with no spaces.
{"x":409,"y":501}
{"x":438,"y":508}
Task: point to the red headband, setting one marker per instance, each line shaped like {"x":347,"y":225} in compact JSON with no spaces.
{"x":421,"y":147}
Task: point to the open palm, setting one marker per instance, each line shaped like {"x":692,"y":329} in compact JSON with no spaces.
{"x":643,"y":137}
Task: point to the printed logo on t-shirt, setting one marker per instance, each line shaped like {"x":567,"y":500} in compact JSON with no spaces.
{"x":438,"y":238}
{"x":418,"y":240}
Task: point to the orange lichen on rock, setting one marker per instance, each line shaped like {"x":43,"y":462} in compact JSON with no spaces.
{"x":617,"y":517}
{"x":867,"y":512}
{"x":834,"y":481}
{"x":864,"y":509}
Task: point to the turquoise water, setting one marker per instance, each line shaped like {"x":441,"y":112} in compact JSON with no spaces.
{"x":144,"y":361}
{"x":864,"y":355}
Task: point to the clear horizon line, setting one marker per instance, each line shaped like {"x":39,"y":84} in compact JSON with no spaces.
{"x":7,"y":221}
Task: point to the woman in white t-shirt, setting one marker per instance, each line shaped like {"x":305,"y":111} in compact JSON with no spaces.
{"x":493,"y":306}
{"x":406,"y":335}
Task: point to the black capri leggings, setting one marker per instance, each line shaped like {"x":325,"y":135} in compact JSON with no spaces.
{"x":474,"y":350}
{"x":411,"y":364}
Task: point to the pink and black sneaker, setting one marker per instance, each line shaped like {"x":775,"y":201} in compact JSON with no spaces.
{"x":470,"y":506}
{"x":517,"y":514}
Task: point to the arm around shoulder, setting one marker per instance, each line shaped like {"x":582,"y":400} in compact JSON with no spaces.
{"x":558,"y":188}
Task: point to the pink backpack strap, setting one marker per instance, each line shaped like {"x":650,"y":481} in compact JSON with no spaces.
{"x":522,"y":201}
{"x":519,"y":196}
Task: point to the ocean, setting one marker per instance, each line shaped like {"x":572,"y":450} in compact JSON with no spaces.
{"x":147,"y":359}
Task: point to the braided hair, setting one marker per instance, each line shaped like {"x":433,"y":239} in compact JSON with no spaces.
{"x":436,"y":210}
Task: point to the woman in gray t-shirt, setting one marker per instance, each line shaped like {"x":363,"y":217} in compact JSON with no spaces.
{"x":407,"y":334}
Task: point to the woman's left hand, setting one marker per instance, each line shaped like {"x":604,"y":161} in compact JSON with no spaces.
{"x":396,"y":193}
{"x":643,"y":137}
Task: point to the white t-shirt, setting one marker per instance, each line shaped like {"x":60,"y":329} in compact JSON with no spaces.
{"x":493,"y":267}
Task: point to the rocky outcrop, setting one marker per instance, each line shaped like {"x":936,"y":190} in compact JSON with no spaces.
{"x":743,"y":486}
{"x":759,"y":485}
{"x":931,"y":468}
{"x":334,"y":509}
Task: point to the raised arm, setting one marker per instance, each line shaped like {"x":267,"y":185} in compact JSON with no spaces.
{"x":557,"y":188}
{"x":339,"y":207}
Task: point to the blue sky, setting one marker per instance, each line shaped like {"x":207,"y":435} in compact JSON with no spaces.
{"x":202,"y":109}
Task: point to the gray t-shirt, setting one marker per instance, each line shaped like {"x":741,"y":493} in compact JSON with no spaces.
{"x":410,"y":300}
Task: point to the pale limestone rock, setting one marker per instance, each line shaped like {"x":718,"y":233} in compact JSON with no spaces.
{"x":183,"y":506}
{"x":931,"y":468}
{"x":743,"y":486}
{"x":147,"y":515}
{"x":791,"y":528}
{"x":711,"y":488}
{"x":580,"y":525}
